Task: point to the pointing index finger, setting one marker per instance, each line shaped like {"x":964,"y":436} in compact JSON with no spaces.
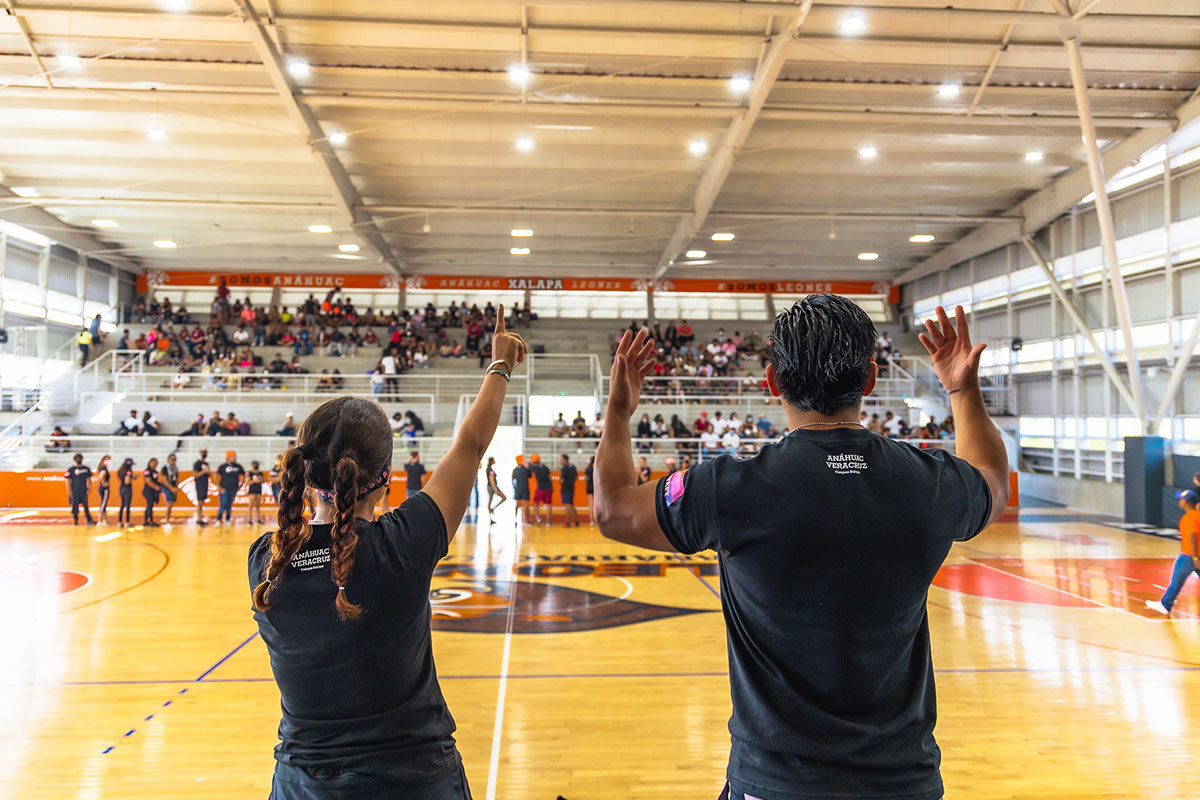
{"x":499,"y":320}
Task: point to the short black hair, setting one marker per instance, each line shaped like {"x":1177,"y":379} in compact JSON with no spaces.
{"x":821,"y":349}
{"x":1196,"y":478}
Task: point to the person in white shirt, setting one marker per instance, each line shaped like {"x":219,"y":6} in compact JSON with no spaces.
{"x":420,"y":359}
{"x":241,"y":335}
{"x":710,"y":443}
{"x":390,"y":368}
{"x":597,"y":427}
{"x":377,"y":380}
{"x":730,"y":441}
{"x":180,"y":380}
{"x":131,"y":424}
{"x":889,"y":425}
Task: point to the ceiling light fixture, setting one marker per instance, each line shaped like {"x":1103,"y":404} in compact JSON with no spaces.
{"x":298,"y":68}
{"x":522,"y":232}
{"x":921,"y":238}
{"x":320,"y":229}
{"x":519,"y":251}
{"x":868,"y":256}
{"x":177,"y":6}
{"x":852,"y":24}
{"x":565,"y":127}
{"x":105,"y":223}
{"x":697,"y":146}
{"x":71,"y":61}
{"x":722,"y":237}
{"x":524,"y":144}
{"x":337,"y":137}
{"x":165,"y":244}
{"x":739,"y":84}
{"x":1034,"y":155}
{"x":519,"y":74}
{"x":156,"y":134}
{"x":426,"y":228}
{"x":949,"y":90}
{"x":696,"y":253}
{"x":349,"y":248}
{"x":867,"y":152}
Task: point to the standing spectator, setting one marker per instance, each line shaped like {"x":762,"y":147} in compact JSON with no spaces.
{"x":169,"y":478}
{"x":643,"y":471}
{"x":493,"y":489}
{"x":520,"y":482}
{"x":150,"y":492}
{"x":84,"y":340}
{"x":377,"y":380}
{"x":230,"y":476}
{"x":254,"y":487}
{"x":543,"y":487}
{"x":567,"y":475}
{"x":102,"y":485}
{"x":97,"y":335}
{"x":79,"y":482}
{"x":125,"y":492}
{"x":414,"y":471}
{"x":200,"y":475}
{"x":276,"y":477}
{"x":391,"y":368}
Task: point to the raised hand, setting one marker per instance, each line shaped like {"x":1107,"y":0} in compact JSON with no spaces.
{"x":506,"y":346}
{"x":955,"y":360}
{"x":632,"y":363}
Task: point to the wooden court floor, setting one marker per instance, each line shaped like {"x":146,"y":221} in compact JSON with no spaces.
{"x":577,"y":667}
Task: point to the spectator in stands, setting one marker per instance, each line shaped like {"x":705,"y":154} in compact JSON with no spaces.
{"x":129,"y":426}
{"x":701,"y":425}
{"x":413,"y":425}
{"x":768,"y":430}
{"x":710,"y":443}
{"x":678,"y":429}
{"x":397,"y":424}
{"x":324,"y":382}
{"x":213,"y":428}
{"x":196,"y":428}
{"x":686,"y":336}
{"x":874,"y":424}
{"x":241,"y":335}
{"x":658,"y":428}
{"x":391,"y":368}
{"x":888,"y":425}
{"x":278,"y":365}
{"x":377,"y":379}
{"x":559,"y":428}
{"x":97,"y":334}
{"x":597,"y":426}
{"x":730,"y":441}
{"x":84,"y":341}
{"x":579,"y":426}
{"x":149,"y":424}
{"x":303,"y":343}
{"x":296,"y":368}
{"x":643,"y":432}
{"x":289,"y":426}
{"x":643,"y":471}
{"x":59,"y":443}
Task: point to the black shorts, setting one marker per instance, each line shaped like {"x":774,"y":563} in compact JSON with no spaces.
{"x":520,"y":495}
{"x":297,"y":783}
{"x":568,"y":499}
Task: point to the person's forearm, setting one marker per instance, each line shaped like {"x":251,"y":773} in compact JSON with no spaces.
{"x":613,"y":471}
{"x":977,"y":439}
{"x":479,"y":426}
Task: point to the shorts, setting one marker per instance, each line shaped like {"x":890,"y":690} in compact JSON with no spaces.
{"x":568,"y":498}
{"x":543,"y":497}
{"x":298,"y":783}
{"x":521,"y":496}
{"x":169,"y":497}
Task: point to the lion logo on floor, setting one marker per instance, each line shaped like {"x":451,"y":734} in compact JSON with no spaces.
{"x":485,"y":606}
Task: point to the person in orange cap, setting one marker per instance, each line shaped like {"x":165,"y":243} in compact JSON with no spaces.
{"x":543,"y":494}
{"x":230,"y":477}
{"x":520,"y":482}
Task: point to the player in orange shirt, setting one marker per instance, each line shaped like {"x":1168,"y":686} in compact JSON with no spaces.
{"x":1189,"y":560}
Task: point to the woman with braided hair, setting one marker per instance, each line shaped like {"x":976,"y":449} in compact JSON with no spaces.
{"x":342,"y":603}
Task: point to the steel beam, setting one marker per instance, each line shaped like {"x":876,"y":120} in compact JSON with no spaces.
{"x":344,"y":191}
{"x":718,"y":168}
{"x":1077,"y":317}
{"x":1177,"y":374}
{"x":1047,"y":205}
{"x":27,"y":35}
{"x":993,"y":62}
{"x":1108,"y":235}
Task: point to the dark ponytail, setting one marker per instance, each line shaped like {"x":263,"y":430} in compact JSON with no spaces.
{"x":344,"y":448}
{"x":345,"y":538}
{"x":292,"y":529}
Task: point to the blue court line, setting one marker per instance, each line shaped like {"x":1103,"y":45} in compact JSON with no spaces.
{"x":227,"y":656}
{"x":698,"y":576}
{"x":184,"y":690}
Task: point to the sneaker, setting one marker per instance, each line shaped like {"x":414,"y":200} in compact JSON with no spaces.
{"x":1156,"y":605}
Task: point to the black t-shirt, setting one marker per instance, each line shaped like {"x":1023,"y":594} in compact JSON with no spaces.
{"x":541,"y":474}
{"x":643,"y":475}
{"x":566,"y":479}
{"x":230,"y":475}
{"x":590,"y":478}
{"x":150,"y":484}
{"x":276,"y":474}
{"x":520,"y":479}
{"x":414,"y":472}
{"x":251,"y":486}
{"x":828,"y":542}
{"x":102,"y":477}
{"x":361,"y":695}
{"x":199,"y":474}
{"x":77,"y":477}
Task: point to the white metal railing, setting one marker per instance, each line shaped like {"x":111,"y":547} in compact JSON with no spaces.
{"x":35,"y":452}
{"x":657,"y":450}
{"x":119,"y":370}
{"x":252,"y":383}
{"x":19,"y":433}
{"x":514,"y":412}
{"x":565,"y":367}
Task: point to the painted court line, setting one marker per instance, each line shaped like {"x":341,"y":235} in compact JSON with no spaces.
{"x":502,"y":690}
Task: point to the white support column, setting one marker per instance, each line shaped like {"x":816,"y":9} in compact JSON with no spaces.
{"x":650,"y":307}
{"x":3,"y":261}
{"x":114,"y":294}
{"x":1009,"y":329}
{"x":1077,"y":347}
{"x":769,"y":300}
{"x":1104,"y":217}
{"x":43,"y":269}
{"x":1184,"y":359}
{"x":1055,"y":365}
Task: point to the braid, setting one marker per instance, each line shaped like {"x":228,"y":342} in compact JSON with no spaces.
{"x":292,"y":529}
{"x":344,"y":536}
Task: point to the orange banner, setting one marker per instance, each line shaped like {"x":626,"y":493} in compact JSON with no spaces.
{"x":315,"y":282}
